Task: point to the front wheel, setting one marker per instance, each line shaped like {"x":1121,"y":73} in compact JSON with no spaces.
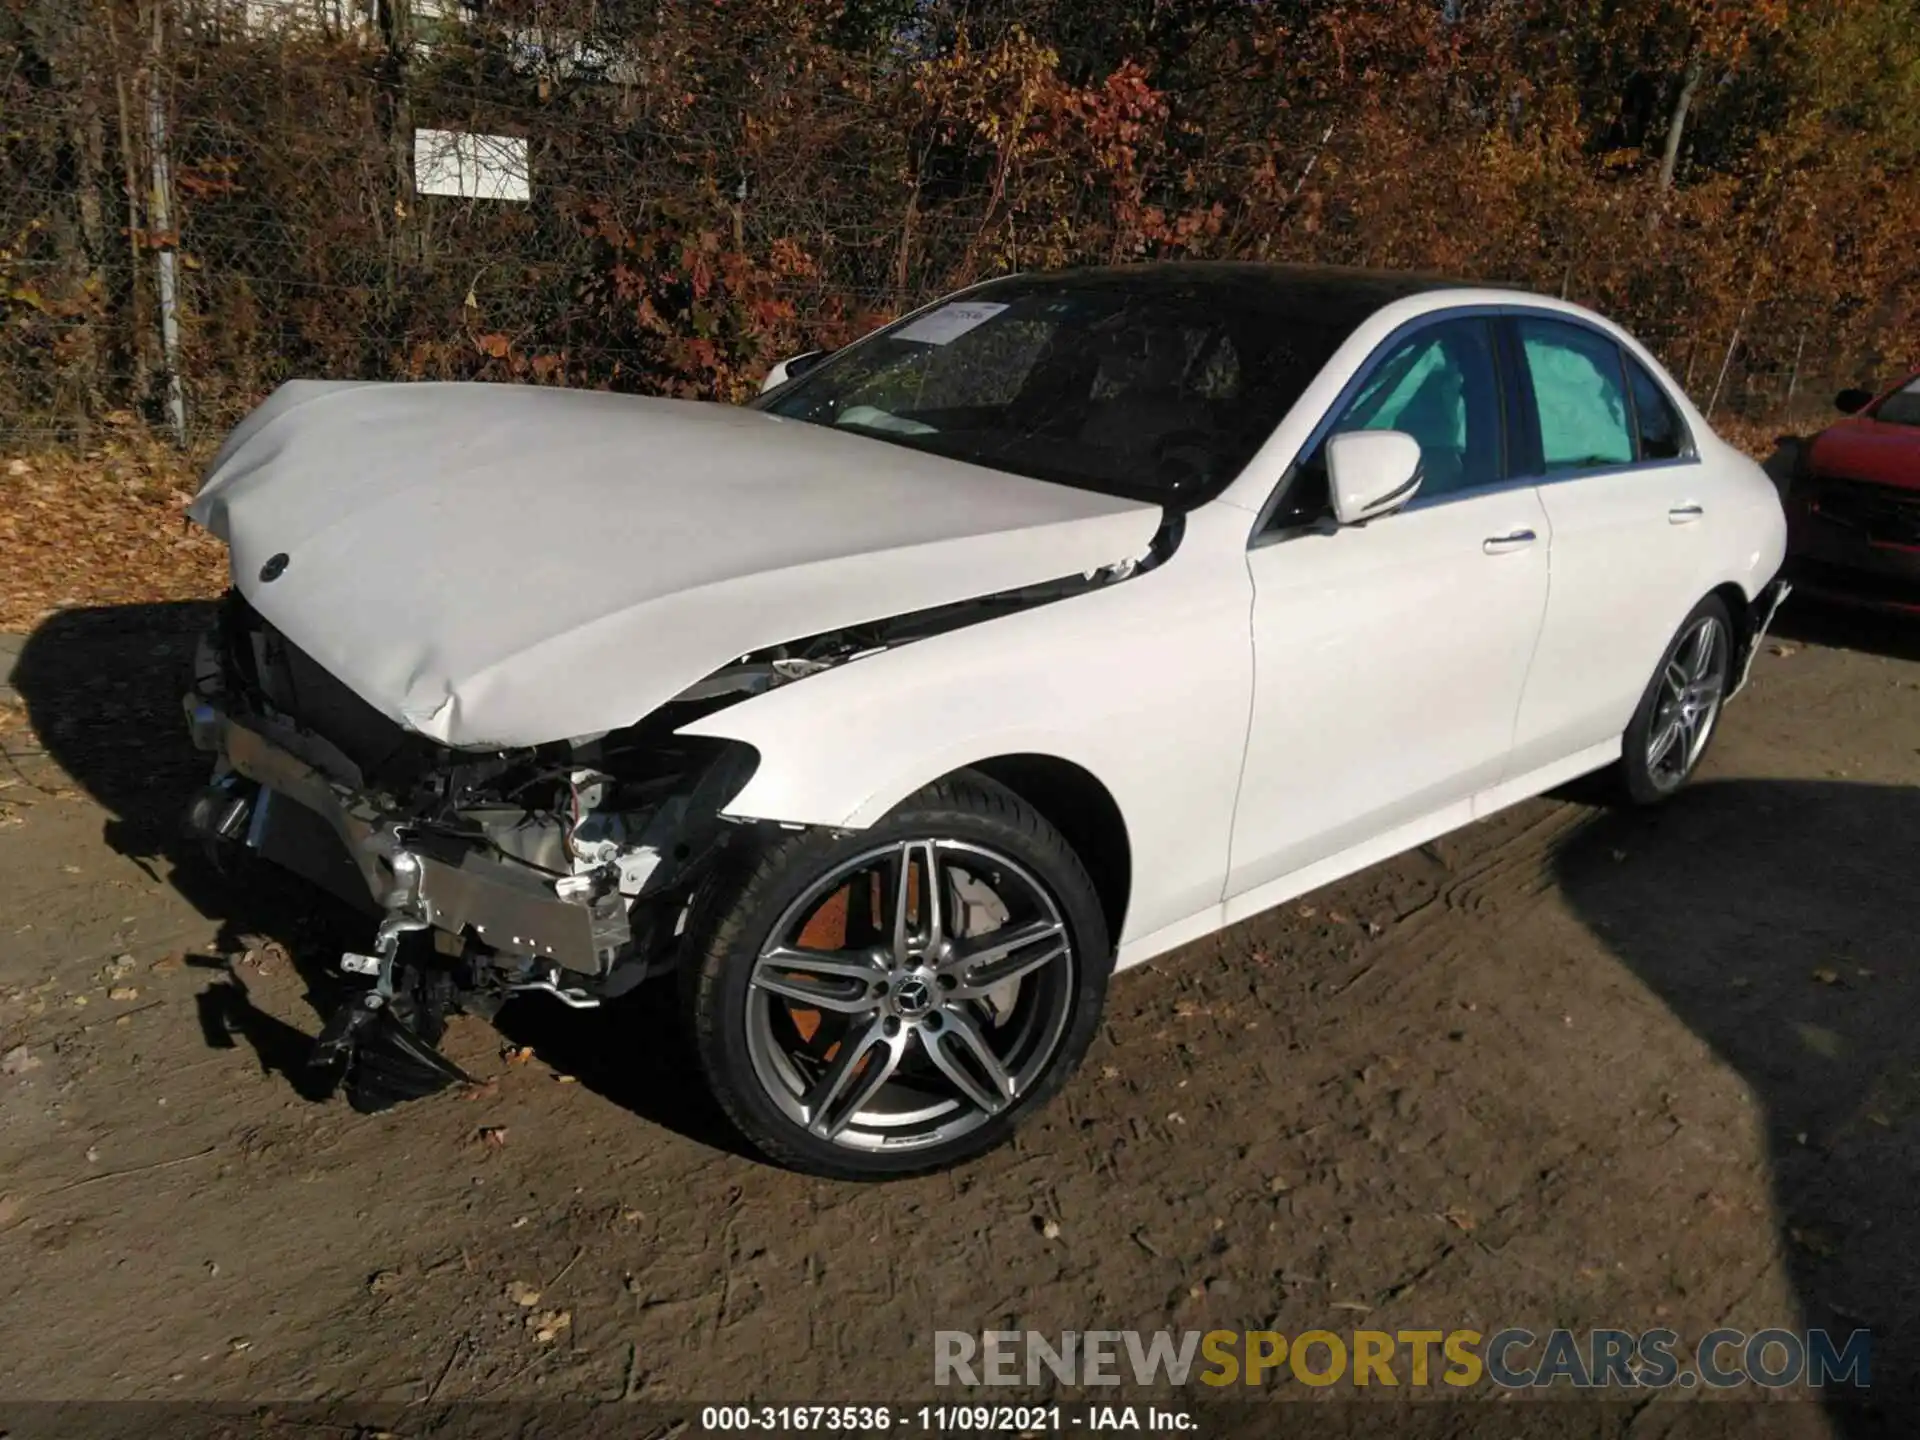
{"x":1675,"y":721}
{"x":898,"y":999}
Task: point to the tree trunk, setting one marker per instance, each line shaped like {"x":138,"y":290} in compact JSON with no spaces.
{"x":139,"y":321}
{"x":1676,"y":127}
{"x":406,"y":243}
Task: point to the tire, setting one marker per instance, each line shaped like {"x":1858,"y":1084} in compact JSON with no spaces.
{"x":874,"y":1069}
{"x":1677,"y":716}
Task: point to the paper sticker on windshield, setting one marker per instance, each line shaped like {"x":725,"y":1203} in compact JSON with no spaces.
{"x":949,"y":322}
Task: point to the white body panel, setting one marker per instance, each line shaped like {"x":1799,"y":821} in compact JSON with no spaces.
{"x":496,"y":565}
{"x":1389,"y":660}
{"x":1632,"y":551}
{"x":1145,"y":685}
{"x":1265,"y":717}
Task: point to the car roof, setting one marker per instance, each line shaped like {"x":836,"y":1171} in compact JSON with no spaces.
{"x":1331,"y":282}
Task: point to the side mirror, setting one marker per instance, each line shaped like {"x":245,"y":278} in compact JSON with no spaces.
{"x":1852,"y":401}
{"x":792,"y":368}
{"x":1371,"y":473}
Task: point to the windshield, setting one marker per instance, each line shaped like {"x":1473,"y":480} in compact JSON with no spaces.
{"x":1902,"y":407}
{"x":1157,"y":384}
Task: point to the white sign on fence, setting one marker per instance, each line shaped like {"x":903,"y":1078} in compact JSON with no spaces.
{"x":479,"y":167}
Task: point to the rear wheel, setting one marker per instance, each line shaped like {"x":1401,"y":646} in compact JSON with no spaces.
{"x":1670,"y":731}
{"x":898,"y":999}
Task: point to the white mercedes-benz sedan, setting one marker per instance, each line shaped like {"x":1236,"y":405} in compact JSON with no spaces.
{"x":1057,"y":625}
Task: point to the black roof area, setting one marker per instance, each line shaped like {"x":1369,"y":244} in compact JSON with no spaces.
{"x":1332,"y":284}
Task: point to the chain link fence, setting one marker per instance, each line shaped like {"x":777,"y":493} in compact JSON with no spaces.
{"x":202,"y":198}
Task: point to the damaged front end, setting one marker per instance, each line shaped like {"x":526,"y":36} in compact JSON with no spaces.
{"x":569,"y":868}
{"x":565,"y":868}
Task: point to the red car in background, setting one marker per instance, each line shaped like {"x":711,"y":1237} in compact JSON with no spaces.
{"x":1853,"y":509}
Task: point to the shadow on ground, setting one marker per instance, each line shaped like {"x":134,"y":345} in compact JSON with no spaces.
{"x":1810,"y":621}
{"x":1776,"y":919}
{"x":102,"y":688}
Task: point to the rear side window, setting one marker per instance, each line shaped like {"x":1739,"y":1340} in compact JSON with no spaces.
{"x":1661,"y":432}
{"x":1579,"y":394}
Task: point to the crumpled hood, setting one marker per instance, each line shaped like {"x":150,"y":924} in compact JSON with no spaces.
{"x":495,"y":565}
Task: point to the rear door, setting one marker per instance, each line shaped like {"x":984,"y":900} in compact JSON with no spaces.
{"x":1625,"y":494}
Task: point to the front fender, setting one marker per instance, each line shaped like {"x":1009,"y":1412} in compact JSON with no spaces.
{"x":1145,"y":684}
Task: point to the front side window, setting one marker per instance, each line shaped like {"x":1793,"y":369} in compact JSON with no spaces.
{"x":1440,"y":386}
{"x":1579,"y":396}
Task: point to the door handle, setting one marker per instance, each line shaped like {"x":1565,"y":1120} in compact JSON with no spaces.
{"x":1685,"y":514}
{"x":1506,"y":544}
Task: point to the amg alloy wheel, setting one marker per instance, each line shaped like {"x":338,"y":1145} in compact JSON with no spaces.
{"x":1675,"y":721}
{"x":896,"y":1000}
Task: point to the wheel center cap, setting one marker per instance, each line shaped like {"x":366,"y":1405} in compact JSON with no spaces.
{"x":912,"y":996}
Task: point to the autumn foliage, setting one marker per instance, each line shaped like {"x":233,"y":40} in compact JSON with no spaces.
{"x":716,"y":184}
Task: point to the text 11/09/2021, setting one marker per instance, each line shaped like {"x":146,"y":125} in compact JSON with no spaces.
{"x":942,"y":1419}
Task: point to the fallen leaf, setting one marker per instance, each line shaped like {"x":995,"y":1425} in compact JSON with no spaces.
{"x":167,"y":964}
{"x":123,"y":992}
{"x":549,"y":1325}
{"x":383,"y":1282}
{"x":522,"y":1294}
{"x":493,"y":1136}
{"x":1827,"y":975}
{"x":1459,"y":1219}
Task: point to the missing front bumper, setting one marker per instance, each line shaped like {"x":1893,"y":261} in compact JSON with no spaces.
{"x":328,"y":834}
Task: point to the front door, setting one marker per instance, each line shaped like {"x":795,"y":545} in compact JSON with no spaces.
{"x":1390,"y":657}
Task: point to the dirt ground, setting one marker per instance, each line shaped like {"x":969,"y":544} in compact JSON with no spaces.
{"x":1564,"y":1068}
